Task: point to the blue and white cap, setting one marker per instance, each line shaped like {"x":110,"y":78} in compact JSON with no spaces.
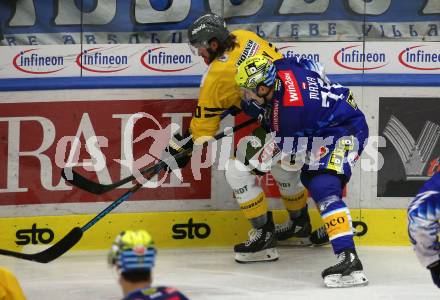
{"x":133,"y":250}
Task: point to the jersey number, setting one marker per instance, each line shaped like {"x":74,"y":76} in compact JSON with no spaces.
{"x":326,"y":93}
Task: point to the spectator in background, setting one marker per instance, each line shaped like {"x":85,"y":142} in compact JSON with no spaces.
{"x":133,"y":254}
{"x":9,"y":287}
{"x":424,"y":227}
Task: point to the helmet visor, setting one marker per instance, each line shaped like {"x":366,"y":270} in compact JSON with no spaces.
{"x":196,"y":46}
{"x":194,"y":49}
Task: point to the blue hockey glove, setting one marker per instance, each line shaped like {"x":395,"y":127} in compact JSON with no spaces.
{"x":253,"y":109}
{"x":233,"y":111}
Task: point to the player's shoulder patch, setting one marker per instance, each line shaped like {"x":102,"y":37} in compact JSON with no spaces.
{"x":350,"y":100}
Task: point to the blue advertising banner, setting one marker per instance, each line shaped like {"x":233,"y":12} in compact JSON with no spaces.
{"x":30,"y":22}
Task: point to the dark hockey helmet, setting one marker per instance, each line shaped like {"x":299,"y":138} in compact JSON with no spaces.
{"x":205,"y":28}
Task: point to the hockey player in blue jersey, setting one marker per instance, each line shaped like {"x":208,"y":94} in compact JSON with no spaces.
{"x":311,"y":118}
{"x":424,"y":227}
{"x":133,"y":254}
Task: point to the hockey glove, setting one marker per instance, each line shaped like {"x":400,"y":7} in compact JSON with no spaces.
{"x":178,"y":144}
{"x":435,"y":272}
{"x":233,"y":111}
{"x":253,"y":109}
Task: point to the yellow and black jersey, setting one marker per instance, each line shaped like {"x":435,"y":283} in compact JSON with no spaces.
{"x":9,"y":287}
{"x":218,"y":90}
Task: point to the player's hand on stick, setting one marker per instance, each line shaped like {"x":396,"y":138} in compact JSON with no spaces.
{"x":255,"y":110}
{"x":233,"y":111}
{"x":251,"y":108}
{"x":179,"y":144}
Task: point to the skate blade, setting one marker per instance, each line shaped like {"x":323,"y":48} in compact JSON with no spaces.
{"x":355,"y":279}
{"x":295,"y":241}
{"x":319,"y":244}
{"x":265,"y":255}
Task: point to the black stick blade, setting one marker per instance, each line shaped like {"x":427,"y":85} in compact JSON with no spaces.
{"x":51,"y":253}
{"x":85,"y":184}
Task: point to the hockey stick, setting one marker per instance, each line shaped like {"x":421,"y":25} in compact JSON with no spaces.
{"x":73,"y":237}
{"x":97,"y":188}
{"x":52,"y":252}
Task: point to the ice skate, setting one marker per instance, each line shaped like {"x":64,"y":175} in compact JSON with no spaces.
{"x":348,"y":272}
{"x":319,"y":237}
{"x":261,"y":245}
{"x":295,"y":232}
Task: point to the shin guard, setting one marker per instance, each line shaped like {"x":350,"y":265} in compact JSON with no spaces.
{"x":249,"y":195}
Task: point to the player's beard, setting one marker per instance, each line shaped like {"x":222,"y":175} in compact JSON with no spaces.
{"x":212,"y":55}
{"x":266,"y":99}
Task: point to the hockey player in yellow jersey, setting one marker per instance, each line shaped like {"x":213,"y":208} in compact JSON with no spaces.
{"x":224,"y":51}
{"x":9,"y":287}
{"x":217,"y":90}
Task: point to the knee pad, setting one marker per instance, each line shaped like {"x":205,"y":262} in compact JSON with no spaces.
{"x":324,"y":185}
{"x":249,"y":195}
{"x":292,"y":191}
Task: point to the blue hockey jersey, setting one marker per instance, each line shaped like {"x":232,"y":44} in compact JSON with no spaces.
{"x":306,"y":104}
{"x":423,"y":221}
{"x":156,"y":293}
{"x":310,"y":115}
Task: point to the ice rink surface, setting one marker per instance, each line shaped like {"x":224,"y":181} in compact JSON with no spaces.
{"x":394,"y":273}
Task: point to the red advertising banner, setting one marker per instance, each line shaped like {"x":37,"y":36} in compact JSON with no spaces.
{"x":37,"y":138}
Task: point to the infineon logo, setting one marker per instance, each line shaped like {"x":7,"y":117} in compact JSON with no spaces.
{"x":94,"y":60}
{"x":32,"y":62}
{"x":295,"y":53}
{"x":420,"y":59}
{"x":157,"y":59}
{"x":349,"y":57}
